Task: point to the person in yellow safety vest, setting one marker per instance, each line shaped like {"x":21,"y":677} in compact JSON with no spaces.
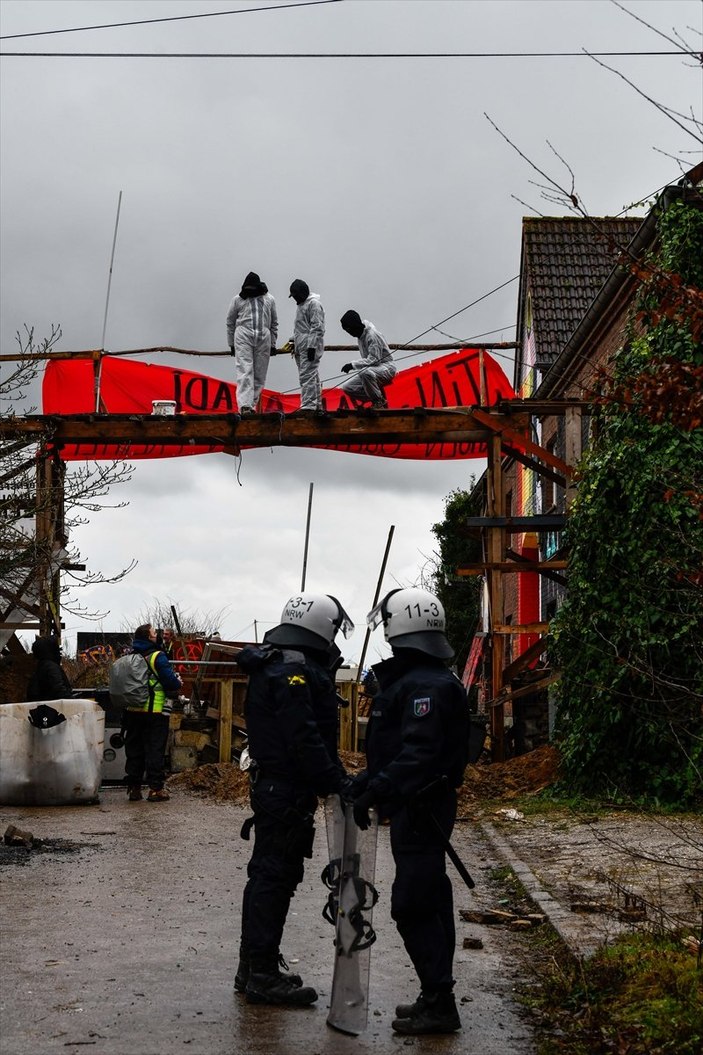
{"x":146,"y":727}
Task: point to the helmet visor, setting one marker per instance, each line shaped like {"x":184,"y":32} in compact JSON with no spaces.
{"x":377,"y":615}
{"x":345,"y":623}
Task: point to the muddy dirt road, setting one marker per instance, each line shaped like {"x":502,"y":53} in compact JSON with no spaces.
{"x":126,"y":943}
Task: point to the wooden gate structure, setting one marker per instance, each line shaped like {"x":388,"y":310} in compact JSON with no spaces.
{"x":504,"y":429}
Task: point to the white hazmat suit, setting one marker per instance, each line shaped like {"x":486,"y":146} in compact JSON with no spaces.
{"x":373,"y":371}
{"x":309,"y":335}
{"x":252,"y":330}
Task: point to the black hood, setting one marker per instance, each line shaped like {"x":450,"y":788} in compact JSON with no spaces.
{"x":299,"y":291}
{"x":253,"y":286}
{"x":47,"y":648}
{"x":352,"y":323}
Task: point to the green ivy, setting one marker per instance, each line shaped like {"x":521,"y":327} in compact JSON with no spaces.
{"x":629,"y":636}
{"x":460,"y":596}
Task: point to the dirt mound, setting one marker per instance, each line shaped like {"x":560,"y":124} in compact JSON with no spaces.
{"x":524,"y":775}
{"x":215,"y":780}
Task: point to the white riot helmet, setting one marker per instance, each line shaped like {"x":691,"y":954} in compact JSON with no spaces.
{"x":311,"y":619}
{"x":413,"y":618}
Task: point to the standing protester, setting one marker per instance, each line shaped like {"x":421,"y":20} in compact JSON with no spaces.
{"x":146,"y":727}
{"x":291,"y":712}
{"x":309,"y":343}
{"x":252,"y":330}
{"x":374,"y":370}
{"x":48,"y":681}
{"x":416,"y":749}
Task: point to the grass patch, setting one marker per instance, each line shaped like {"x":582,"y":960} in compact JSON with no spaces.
{"x":642,"y":995}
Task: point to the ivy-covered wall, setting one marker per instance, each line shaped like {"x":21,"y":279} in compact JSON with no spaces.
{"x":629,"y":636}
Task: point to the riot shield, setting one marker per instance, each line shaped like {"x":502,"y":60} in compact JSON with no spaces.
{"x":349,"y":877}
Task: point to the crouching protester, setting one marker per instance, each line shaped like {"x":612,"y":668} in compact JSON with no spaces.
{"x":417,"y":750}
{"x":291,"y":711}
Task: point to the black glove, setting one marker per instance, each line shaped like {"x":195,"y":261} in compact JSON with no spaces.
{"x":273,"y":350}
{"x":347,"y":790}
{"x":311,"y":355}
{"x":346,"y":368}
{"x":361,"y":810}
{"x":231,"y":349}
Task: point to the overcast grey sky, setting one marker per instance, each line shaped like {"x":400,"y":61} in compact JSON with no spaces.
{"x":378,"y":181}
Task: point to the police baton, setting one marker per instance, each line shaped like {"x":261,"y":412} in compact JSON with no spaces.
{"x":453,"y":856}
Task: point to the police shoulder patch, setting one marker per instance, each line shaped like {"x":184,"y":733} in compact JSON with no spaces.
{"x":422,"y":705}
{"x":296,"y":679}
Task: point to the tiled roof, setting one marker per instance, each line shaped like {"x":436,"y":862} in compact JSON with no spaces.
{"x":566,"y":260}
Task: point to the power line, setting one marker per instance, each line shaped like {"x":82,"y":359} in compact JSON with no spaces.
{"x":172,"y":18}
{"x":338,"y":54}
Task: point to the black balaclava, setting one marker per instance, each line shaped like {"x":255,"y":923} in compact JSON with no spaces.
{"x":253,"y":286}
{"x":351,"y":323}
{"x":299,"y":290}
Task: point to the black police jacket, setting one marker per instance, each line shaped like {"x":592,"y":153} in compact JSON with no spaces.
{"x":291,"y":711}
{"x":418,"y":731}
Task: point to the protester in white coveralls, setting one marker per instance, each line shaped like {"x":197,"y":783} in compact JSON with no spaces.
{"x":252,"y":330}
{"x":309,"y":343}
{"x":374,"y":370}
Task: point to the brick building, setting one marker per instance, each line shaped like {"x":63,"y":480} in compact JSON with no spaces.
{"x":575,"y":296}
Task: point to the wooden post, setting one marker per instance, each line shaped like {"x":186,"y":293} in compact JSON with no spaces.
{"x":50,"y":538}
{"x":573,"y":447}
{"x":225,"y":754}
{"x":483,"y":387}
{"x":496,"y":547}
{"x":347,"y":717}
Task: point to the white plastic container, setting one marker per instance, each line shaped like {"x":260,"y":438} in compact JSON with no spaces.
{"x":163,"y":408}
{"x":60,"y":766}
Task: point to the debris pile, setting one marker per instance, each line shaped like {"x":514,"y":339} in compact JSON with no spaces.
{"x":524,"y":775}
{"x":224,"y":781}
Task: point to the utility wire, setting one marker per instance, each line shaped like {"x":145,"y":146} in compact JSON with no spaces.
{"x":441,"y":322}
{"x":337,"y":55}
{"x":172,"y":18}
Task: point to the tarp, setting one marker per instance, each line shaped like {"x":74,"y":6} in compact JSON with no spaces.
{"x":130,"y":387}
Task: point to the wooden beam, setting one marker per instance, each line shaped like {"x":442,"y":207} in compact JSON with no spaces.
{"x":524,"y":660}
{"x":418,"y":425}
{"x":536,"y":466}
{"x":516,"y":525}
{"x":520,"y":628}
{"x":509,"y":566}
{"x":526,"y":690}
{"x":553,"y":562}
{"x":94,"y":353}
{"x":225,"y":745}
{"x":521,"y":441}
{"x":541,"y":408}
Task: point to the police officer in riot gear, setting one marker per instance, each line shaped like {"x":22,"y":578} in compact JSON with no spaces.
{"x":416,"y":748}
{"x":291,"y":712}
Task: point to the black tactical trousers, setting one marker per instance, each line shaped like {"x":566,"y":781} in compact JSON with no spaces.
{"x":422,"y":904}
{"x":283,"y":838}
{"x":146,"y":736}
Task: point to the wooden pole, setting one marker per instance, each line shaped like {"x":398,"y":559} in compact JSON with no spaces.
{"x":496,"y":537}
{"x":375,"y":602}
{"x":225,"y":754}
{"x":307,"y":540}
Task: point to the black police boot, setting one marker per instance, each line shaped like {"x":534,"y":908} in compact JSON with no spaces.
{"x":437,"y":1014}
{"x":267,"y":985}
{"x":408,"y":1010}
{"x":241,"y":978}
